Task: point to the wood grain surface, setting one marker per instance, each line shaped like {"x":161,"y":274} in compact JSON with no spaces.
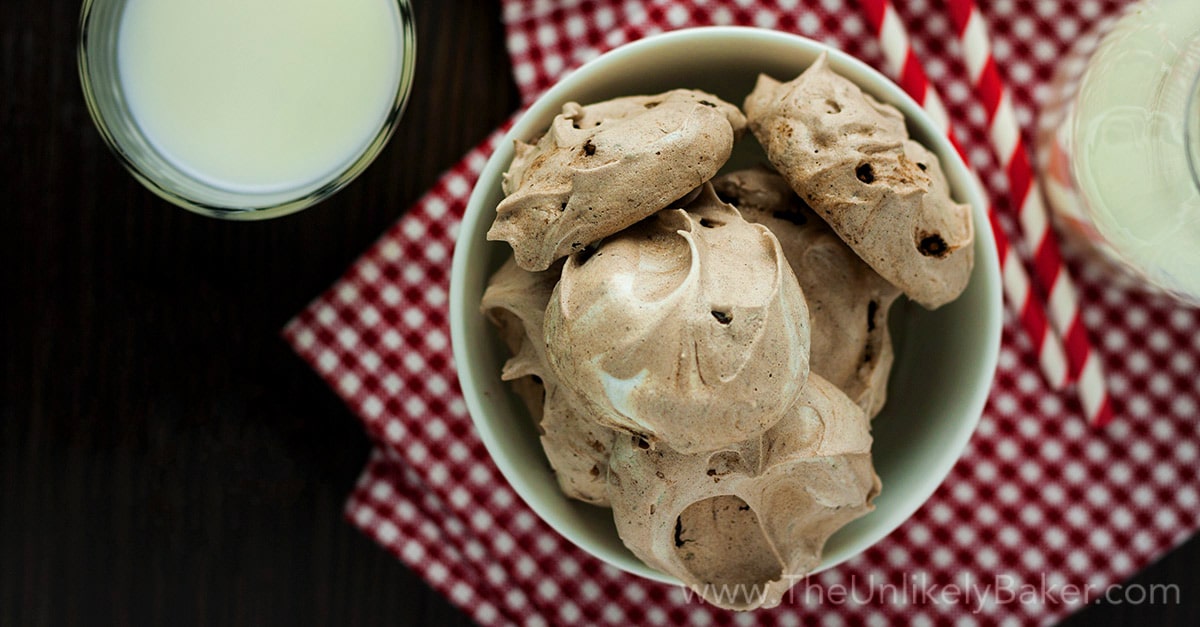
{"x":166,"y":459}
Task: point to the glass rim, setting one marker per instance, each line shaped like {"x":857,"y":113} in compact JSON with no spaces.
{"x":304,"y":198}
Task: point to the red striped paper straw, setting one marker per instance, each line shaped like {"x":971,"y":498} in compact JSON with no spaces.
{"x":1048,"y":268}
{"x":904,"y":65}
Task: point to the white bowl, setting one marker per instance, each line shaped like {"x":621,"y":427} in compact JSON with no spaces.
{"x":945,"y":359}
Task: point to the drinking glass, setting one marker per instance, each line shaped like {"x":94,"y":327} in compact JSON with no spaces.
{"x":108,"y":98}
{"x":1119,"y":144}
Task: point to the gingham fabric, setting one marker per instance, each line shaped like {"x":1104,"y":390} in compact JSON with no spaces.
{"x":1039,"y":505}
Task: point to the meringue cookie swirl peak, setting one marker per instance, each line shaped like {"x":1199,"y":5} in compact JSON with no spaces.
{"x":688,"y":329}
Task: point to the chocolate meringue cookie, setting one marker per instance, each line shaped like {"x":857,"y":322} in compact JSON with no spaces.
{"x":743,"y":523}
{"x":605,"y":166}
{"x":847,"y":300}
{"x":576,"y":446}
{"x":515,"y":302}
{"x":851,"y":159}
{"x":688,"y":329}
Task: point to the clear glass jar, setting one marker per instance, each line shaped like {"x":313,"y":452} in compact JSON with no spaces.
{"x":129,"y":48}
{"x":1119,"y":145}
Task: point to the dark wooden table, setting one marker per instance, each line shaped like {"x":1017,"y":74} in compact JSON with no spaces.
{"x":166,"y":460}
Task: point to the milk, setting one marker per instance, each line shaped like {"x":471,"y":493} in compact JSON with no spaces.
{"x":1121,"y":165}
{"x":260,"y":95}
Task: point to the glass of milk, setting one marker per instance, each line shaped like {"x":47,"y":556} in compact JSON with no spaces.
{"x":1119,"y":144}
{"x":246,"y":109}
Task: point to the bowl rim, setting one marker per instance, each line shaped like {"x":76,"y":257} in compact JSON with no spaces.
{"x":968,"y":186}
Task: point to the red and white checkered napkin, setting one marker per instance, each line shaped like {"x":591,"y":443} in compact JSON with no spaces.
{"x":1041,"y":508}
